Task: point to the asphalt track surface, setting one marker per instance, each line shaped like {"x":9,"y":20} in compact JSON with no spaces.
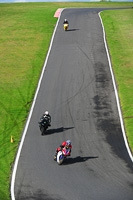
{"x":77,"y":90}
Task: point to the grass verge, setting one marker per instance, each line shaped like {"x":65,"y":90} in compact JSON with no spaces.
{"x":25,"y":30}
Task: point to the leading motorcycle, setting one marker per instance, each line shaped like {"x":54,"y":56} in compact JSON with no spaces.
{"x":65,"y":27}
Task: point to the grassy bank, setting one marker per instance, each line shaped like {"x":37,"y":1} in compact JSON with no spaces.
{"x":25,"y":32}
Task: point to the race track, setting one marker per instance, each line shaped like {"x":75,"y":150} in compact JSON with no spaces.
{"x":78,"y":92}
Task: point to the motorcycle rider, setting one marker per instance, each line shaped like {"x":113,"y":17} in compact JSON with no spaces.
{"x":65,"y":22}
{"x":46,"y":117}
{"x":66,"y":144}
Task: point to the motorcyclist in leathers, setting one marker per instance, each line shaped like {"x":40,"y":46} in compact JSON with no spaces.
{"x":67,"y":144}
{"x":65,"y":22}
{"x":46,"y":117}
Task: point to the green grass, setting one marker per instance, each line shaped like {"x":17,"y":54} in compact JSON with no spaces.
{"x":25,"y":32}
{"x":119,"y":33}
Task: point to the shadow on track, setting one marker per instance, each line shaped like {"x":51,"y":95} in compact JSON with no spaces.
{"x":57,"y":130}
{"x":78,"y":159}
{"x":74,"y":29}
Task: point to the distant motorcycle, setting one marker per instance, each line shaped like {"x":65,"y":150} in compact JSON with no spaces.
{"x":65,"y":27}
{"x":43,"y":126}
{"x":62,"y":154}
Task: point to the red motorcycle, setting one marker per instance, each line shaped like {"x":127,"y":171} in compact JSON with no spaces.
{"x":62,"y":154}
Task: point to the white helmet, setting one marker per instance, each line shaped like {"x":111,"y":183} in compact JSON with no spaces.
{"x":46,"y":113}
{"x":68,"y":142}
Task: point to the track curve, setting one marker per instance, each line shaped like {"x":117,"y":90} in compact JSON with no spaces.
{"x":78,"y":92}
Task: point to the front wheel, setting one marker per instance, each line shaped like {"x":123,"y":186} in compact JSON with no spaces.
{"x":60,"y":158}
{"x":43,"y":129}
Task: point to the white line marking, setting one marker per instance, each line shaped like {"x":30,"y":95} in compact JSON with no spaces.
{"x":29,"y":117}
{"x":116,"y":93}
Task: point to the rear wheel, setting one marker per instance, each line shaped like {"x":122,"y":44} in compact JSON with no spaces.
{"x":55,"y":157}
